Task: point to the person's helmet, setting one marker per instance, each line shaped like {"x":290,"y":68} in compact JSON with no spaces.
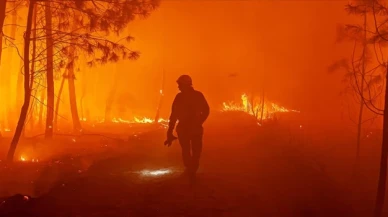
{"x":185,"y":80}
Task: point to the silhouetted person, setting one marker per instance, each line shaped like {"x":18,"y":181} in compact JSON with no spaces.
{"x":191,"y":110}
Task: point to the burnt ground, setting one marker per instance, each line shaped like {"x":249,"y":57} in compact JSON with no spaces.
{"x":246,"y":170}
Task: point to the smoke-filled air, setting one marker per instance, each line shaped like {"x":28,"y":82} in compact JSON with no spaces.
{"x":183,"y":108}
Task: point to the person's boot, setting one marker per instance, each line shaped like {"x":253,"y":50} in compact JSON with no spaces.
{"x":193,"y":177}
{"x":185,"y":173}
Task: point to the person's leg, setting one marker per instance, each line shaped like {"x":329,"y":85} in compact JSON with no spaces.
{"x":184,"y":141}
{"x":196,"y":145}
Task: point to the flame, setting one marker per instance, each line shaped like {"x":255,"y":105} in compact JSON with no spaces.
{"x":143,"y":120}
{"x":120,"y":120}
{"x":24,"y":159}
{"x":254,"y":107}
{"x":138,"y":120}
{"x":135,"y":120}
{"x":4,"y":129}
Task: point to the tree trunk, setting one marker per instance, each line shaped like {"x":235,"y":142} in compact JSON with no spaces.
{"x":90,"y":92}
{"x":359,"y":129}
{"x":96,"y":85}
{"x":108,"y":105}
{"x":3,"y":6}
{"x":383,"y":160}
{"x":72,"y":97}
{"x":27,"y":90}
{"x":31,"y":113}
{"x":252,"y":102}
{"x":41,"y":102}
{"x":110,"y":98}
{"x":12,"y":67}
{"x":59,"y":100}
{"x":262,"y":108}
{"x":83,"y":94}
{"x":50,"y":72}
{"x":81,"y":102}
{"x":157,"y":116}
{"x":19,"y":83}
{"x":361,"y":110}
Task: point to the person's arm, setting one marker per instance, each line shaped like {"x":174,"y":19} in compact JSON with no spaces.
{"x":205,"y":108}
{"x":173,"y":117}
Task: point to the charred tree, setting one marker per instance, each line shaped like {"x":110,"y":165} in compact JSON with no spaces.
{"x":161,"y":92}
{"x":252,"y":105}
{"x":31,"y":114}
{"x":11,"y":55}
{"x":41,"y":101}
{"x":49,"y":72}
{"x":359,"y":75}
{"x":262,"y":107}
{"x":64,"y":76}
{"x":111,"y":98}
{"x":72,"y":95}
{"x":380,"y":198}
{"x":27,"y":90}
{"x":361,"y":93}
{"x":83,"y":94}
{"x":19,"y":83}
{"x":3,"y":6}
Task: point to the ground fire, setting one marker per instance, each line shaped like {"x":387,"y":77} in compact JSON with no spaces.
{"x":257,"y":107}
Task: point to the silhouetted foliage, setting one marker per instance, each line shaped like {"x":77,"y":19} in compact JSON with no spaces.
{"x":85,"y":26}
{"x":366,"y":83}
{"x":378,"y":38}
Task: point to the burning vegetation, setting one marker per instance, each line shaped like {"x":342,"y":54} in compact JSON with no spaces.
{"x":260,"y":108}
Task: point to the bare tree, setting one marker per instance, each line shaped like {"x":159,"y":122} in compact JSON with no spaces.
{"x":370,"y":94}
{"x":27,"y":90}
{"x":360,"y":72}
{"x":111,"y":96}
{"x":64,"y":76}
{"x":3,"y":6}
{"x":49,"y":71}
{"x":381,"y":35}
{"x":72,"y":96}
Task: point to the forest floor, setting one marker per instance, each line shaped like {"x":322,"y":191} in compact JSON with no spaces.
{"x":245,"y":171}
